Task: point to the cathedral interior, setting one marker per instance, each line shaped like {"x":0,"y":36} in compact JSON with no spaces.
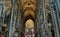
{"x":29,"y":18}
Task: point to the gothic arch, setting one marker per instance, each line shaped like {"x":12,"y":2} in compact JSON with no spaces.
{"x":27,"y":18}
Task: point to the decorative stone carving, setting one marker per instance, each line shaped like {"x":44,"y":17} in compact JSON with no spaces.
{"x":29,"y":7}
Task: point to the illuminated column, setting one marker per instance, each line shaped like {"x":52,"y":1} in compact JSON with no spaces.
{"x":39,"y":19}
{"x":54,"y":19}
{"x":1,"y":6}
{"x":46,"y":32}
{"x":11,"y":21}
